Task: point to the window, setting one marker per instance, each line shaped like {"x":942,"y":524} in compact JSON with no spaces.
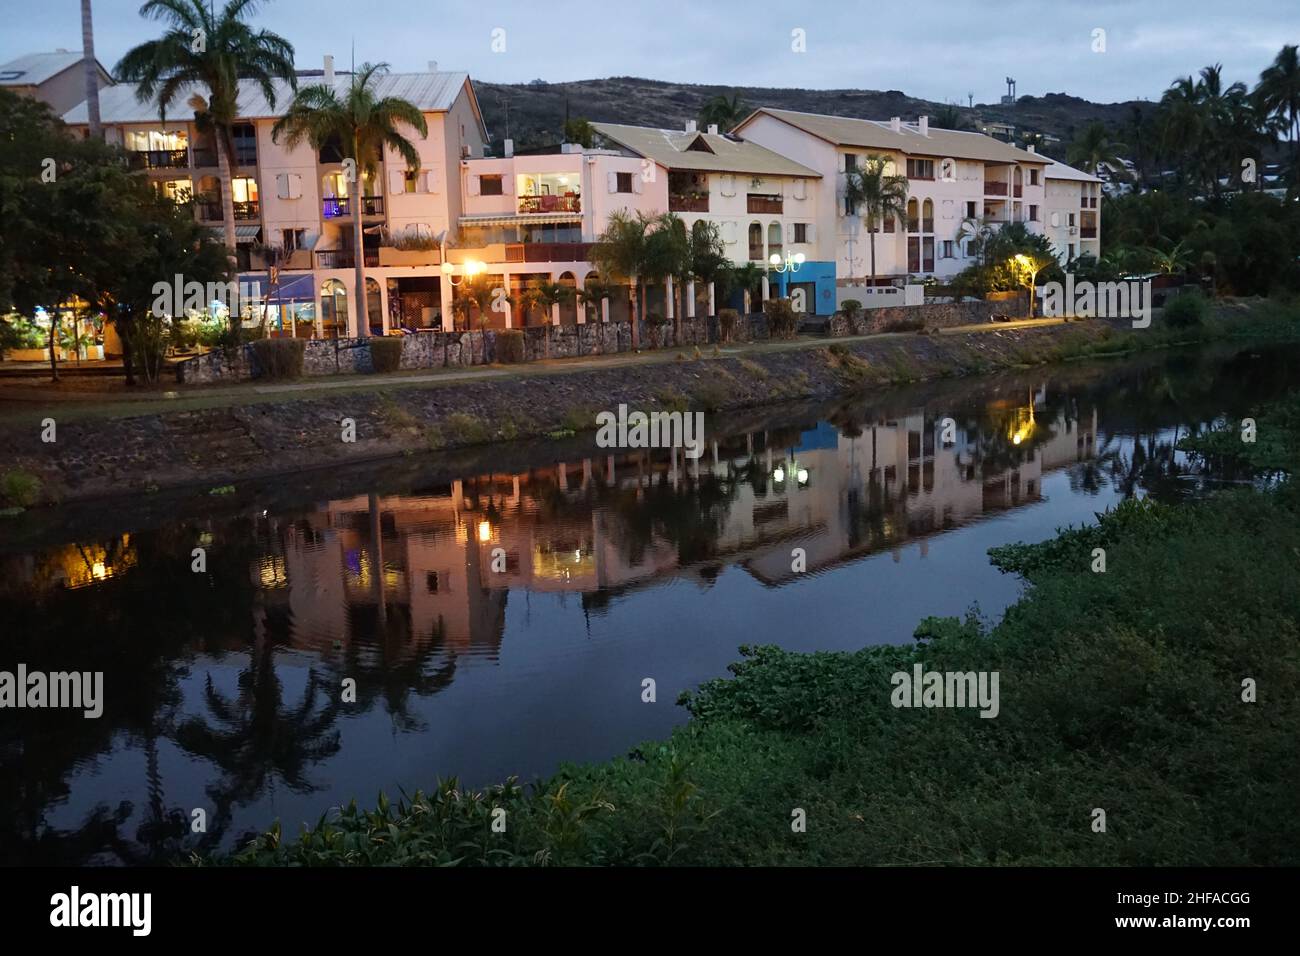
{"x":1033,"y":213}
{"x":1033,"y":177}
{"x":850,"y":161}
{"x":774,"y":246}
{"x":490,"y":186}
{"x":948,"y":251}
{"x":623,"y":182}
{"x":409,"y":180}
{"x":927,"y":247}
{"x":1069,"y":251}
{"x":912,"y":221}
{"x":755,"y":241}
{"x":920,"y":169}
{"x":1071,"y":219}
{"x":431,"y":582}
{"x":927,"y":216}
{"x":970,"y":210}
{"x":800,"y":232}
{"x":293,"y":239}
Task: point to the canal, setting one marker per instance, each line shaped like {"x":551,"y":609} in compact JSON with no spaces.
{"x":498,"y":616}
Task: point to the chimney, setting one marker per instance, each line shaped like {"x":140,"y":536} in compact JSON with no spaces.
{"x":923,"y":125}
{"x":433,"y":66}
{"x":329,"y":70}
{"x":508,"y":148}
{"x":1032,"y":148}
{"x":896,"y":124}
{"x":691,"y":127}
{"x":713,"y":129}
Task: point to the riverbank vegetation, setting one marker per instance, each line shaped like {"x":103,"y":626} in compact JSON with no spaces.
{"x":1164,"y":691}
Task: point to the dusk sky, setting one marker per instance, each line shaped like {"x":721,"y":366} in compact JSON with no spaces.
{"x":937,"y":51}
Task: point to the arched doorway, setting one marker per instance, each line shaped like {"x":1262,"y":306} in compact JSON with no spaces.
{"x":333,"y":309}
{"x":374,"y":307}
{"x":569,"y":307}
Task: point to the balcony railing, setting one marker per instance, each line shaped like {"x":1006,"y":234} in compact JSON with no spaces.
{"x":1018,"y":191}
{"x":995,"y":189}
{"x":532,"y":204}
{"x":161,"y":158}
{"x":548,"y":251}
{"x":204,"y":158}
{"x":1087,"y":232}
{"x":209,"y":210}
{"x":1088,"y":202}
{"x":344,"y":259}
{"x":764,"y":204}
{"x":333,"y":208}
{"x":247,"y":210}
{"x":683,"y":203}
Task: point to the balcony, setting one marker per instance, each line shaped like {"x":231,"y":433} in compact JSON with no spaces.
{"x":209,"y":210}
{"x":344,"y":259}
{"x":1088,"y":202}
{"x":995,"y":189}
{"x":1018,"y":191}
{"x":688,"y":203}
{"x":246,"y":210}
{"x":332,"y":208}
{"x":548,"y":251}
{"x":536,"y":204}
{"x":204,"y":158}
{"x":160,"y":159}
{"x":1087,"y":232}
{"x":764,"y":204}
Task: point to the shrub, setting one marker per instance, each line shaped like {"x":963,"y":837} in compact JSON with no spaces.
{"x":149,"y":338}
{"x":903,"y":325}
{"x":782,"y":320}
{"x":19,"y":489}
{"x":851,"y":309}
{"x":385,"y":353}
{"x":1186,"y":310}
{"x":728,"y":320}
{"x":278,"y":358}
{"x":510,"y":346}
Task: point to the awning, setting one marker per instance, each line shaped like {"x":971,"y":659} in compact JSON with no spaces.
{"x":242,"y":233}
{"x":532,"y":218}
{"x":292,"y":287}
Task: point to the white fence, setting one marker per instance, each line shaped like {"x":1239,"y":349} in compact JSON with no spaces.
{"x":880,"y":297}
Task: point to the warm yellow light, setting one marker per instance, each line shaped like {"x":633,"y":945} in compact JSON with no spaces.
{"x":799,"y":258}
{"x":484,"y":531}
{"x":448,"y":268}
{"x":98,"y":571}
{"x":473,"y":267}
{"x":774,"y":258}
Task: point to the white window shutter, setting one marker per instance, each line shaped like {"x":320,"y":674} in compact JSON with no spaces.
{"x":612,"y":179}
{"x":473,"y":185}
{"x":729,"y":233}
{"x":282,"y":185}
{"x":396,"y":182}
{"x":810,"y":232}
{"x":799,"y":189}
{"x":638,"y":185}
{"x":295,"y":186}
{"x":431,"y":178}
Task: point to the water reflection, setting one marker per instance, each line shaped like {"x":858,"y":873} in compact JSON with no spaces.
{"x":491,"y":622}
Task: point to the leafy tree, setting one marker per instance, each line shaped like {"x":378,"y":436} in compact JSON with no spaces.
{"x":363,"y":124}
{"x":873,"y":191}
{"x":723,"y":112}
{"x":1095,"y":150}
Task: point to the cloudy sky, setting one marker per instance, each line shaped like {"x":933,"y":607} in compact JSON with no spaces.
{"x":939,"y":49}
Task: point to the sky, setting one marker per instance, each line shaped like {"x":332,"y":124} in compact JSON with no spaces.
{"x":939,"y":50}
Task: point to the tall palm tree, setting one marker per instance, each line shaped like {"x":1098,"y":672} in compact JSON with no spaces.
{"x":1279,"y":93}
{"x":202,"y":49}
{"x":1094,"y":150}
{"x":874,"y":192}
{"x":91,"y":68}
{"x":362,"y":123}
{"x":620,"y":253}
{"x":722,"y":112}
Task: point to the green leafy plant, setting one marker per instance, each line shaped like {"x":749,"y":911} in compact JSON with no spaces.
{"x":278,"y":358}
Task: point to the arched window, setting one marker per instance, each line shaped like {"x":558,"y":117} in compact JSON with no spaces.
{"x":568,"y":307}
{"x":774,"y":247}
{"x":333,"y":309}
{"x":927,"y":216}
{"x":911,"y":216}
{"x":755,"y":242}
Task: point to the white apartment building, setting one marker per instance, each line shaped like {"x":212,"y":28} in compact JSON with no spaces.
{"x":1073,"y":212}
{"x":953,"y":177}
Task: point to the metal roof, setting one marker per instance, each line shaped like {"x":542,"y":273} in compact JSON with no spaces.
{"x":712,"y":153}
{"x":875,"y":134}
{"x":1057,"y":170}
{"x":430,"y":92}
{"x":34,"y":69}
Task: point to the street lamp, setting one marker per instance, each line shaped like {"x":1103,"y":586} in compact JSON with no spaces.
{"x":790,"y":263}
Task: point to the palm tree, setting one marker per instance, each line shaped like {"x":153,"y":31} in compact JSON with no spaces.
{"x":1095,"y":150}
{"x":722,"y":112}
{"x":620,"y":253}
{"x":877,"y":193}
{"x":362,"y":124}
{"x":201,"y":49}
{"x":1176,"y":259}
{"x":1279,"y":93}
{"x":91,"y":68}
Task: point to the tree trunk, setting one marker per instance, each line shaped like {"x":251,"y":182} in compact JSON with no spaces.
{"x":633,"y":291}
{"x":54,"y":336}
{"x":872,"y":240}
{"x":92,"y":70}
{"x":227,"y":203}
{"x":363,"y":312}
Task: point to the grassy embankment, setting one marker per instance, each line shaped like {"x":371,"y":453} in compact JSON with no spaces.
{"x":1120,"y":690}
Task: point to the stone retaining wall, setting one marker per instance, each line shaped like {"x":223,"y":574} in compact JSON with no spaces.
{"x":936,"y":315}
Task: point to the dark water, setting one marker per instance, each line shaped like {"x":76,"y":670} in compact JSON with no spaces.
{"x":223,"y":688}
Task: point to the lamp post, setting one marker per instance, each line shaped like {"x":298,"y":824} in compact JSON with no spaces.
{"x":790,"y":263}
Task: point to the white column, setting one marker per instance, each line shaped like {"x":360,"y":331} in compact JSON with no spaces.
{"x":668,"y":298}
{"x":713,"y":304}
{"x":510,"y":309}
{"x":765,"y":289}
{"x":446,"y":295}
{"x":555,"y":313}
{"x":690,"y":298}
{"x":604,"y":309}
{"x":383,"y":304}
